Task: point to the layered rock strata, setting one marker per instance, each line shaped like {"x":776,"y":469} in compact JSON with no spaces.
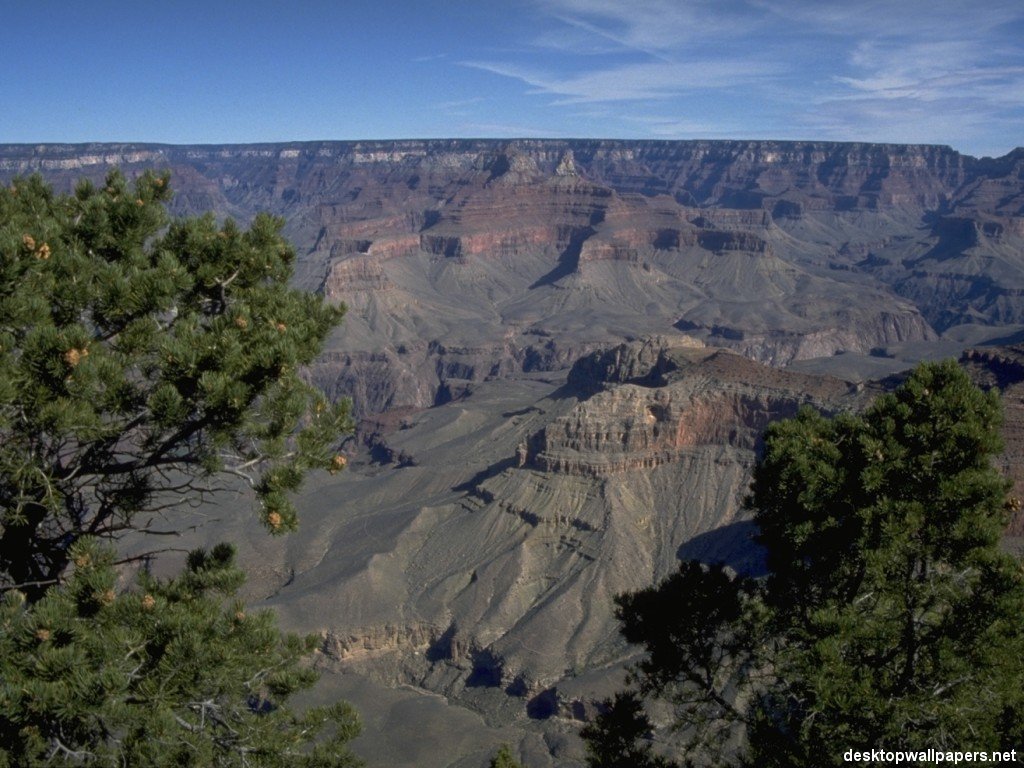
{"x":781,"y":251}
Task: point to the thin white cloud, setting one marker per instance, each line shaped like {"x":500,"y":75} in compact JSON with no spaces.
{"x":632,"y":82}
{"x":461,"y":103}
{"x":961,"y":82}
{"x":674,"y":127}
{"x":909,"y":19}
{"x":945,"y":63}
{"x":511,"y":130}
{"x":985,"y":86}
{"x":607,"y":51}
{"x":659,"y":28}
{"x":591,"y":39}
{"x":929,"y":71}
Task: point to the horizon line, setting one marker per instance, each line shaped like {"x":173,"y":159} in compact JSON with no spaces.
{"x":37,"y":145}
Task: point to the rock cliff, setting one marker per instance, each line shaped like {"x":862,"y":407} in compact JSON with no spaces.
{"x":686,"y":398}
{"x":781,"y":251}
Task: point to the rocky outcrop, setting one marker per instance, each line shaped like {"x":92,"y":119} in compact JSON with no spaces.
{"x":424,"y":374}
{"x":652,"y":408}
{"x":354,"y":275}
{"x":511,"y":567}
{"x":356,"y":646}
{"x":638,"y":362}
{"x":853,"y":332}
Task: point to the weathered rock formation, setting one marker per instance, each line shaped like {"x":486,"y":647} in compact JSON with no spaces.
{"x":687,"y":398}
{"x":781,"y":251}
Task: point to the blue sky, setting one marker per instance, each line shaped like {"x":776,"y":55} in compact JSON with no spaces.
{"x":181,"y":71}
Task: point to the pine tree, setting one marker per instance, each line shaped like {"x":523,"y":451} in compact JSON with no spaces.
{"x":143,"y":362}
{"x":889,"y":618}
{"x":166,"y":674}
{"x":140,"y":360}
{"x":504,"y":758}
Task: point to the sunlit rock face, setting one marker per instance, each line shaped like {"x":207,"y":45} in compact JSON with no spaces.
{"x":467,"y":259}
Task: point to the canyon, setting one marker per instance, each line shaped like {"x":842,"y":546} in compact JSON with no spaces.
{"x":465,"y":259}
{"x":562,"y":354}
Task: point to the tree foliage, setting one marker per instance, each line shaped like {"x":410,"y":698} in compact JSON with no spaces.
{"x":144,"y":362}
{"x":166,"y":674}
{"x":141,"y":358}
{"x":504,"y":758}
{"x":889,"y":616}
